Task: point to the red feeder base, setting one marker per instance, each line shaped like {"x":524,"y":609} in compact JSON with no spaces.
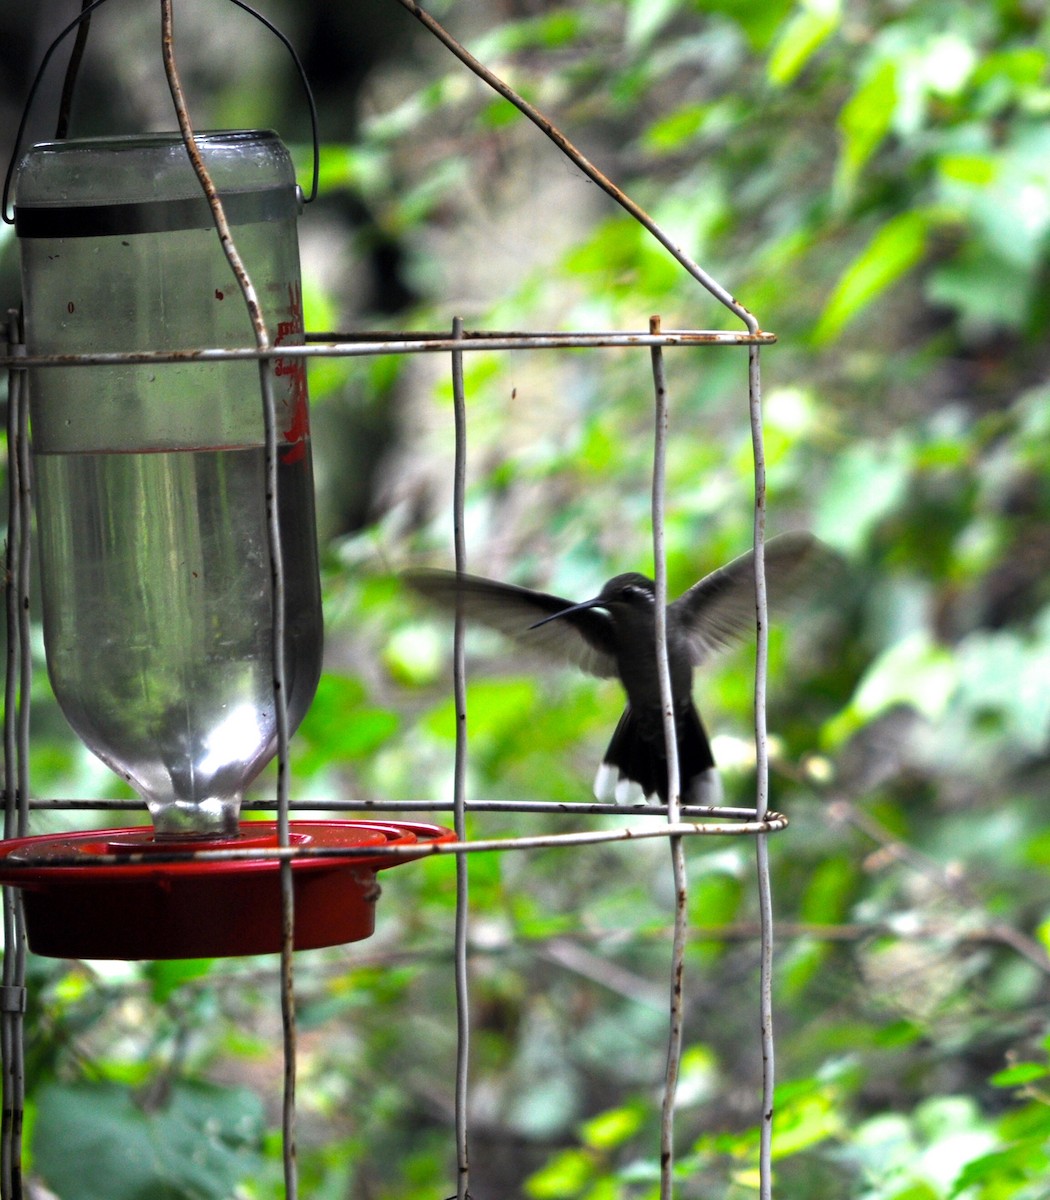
{"x":79,"y":908}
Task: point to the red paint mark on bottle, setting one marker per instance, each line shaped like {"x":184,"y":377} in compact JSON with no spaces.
{"x":70,"y":307}
{"x":297,"y":426}
{"x":219,"y":295}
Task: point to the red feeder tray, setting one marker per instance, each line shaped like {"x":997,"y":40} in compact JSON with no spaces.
{"x":79,"y":908}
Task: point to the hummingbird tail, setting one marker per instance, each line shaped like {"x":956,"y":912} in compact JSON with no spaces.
{"x":635,"y":765}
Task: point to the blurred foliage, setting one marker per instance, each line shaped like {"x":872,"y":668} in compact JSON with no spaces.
{"x":872,"y":180}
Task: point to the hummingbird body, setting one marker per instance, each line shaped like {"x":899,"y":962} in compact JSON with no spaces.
{"x":635,"y":764}
{"x":614,"y":634}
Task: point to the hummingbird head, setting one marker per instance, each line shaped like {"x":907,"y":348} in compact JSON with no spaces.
{"x":631,"y":589}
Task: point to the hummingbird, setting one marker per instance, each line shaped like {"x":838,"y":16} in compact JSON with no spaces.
{"x":613,"y":635}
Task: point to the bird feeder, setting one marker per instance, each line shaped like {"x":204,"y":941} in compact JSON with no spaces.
{"x":176,"y":537}
{"x":157,"y":563}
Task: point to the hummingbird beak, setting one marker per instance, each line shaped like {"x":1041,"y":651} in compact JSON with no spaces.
{"x":597,"y":602}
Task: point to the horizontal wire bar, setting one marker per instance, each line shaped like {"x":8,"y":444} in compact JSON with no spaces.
{"x":480,"y":806}
{"x":773,"y":823}
{"x":376,"y":344}
{"x":558,"y":337}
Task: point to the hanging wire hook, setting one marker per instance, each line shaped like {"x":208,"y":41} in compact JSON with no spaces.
{"x":33,"y":89}
{"x":83,"y":16}
{"x":76,"y":56}
{"x":307,"y":90}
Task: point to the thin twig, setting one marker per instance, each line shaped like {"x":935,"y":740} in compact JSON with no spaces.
{"x":569,"y":954}
{"x":952,"y":882}
{"x":586,"y":166}
{"x":263,"y":342}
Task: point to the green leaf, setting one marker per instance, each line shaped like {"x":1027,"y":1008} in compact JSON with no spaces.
{"x":498,"y":113}
{"x":799,"y":964}
{"x":551,"y":31}
{"x":340,"y":725}
{"x":1005,"y":1172}
{"x":94,"y":1142}
{"x":415,"y":655}
{"x":564,"y":1176}
{"x":971,"y":168}
{"x":801,"y":38}
{"x":167,"y":976}
{"x":353,"y":168}
{"x":896,"y":247}
{"x":806,"y":1122}
{"x":1019,"y":1074}
{"x":614,"y":1127}
{"x":866,"y":482}
{"x":915,"y":672}
{"x":760,"y":20}
{"x":495,"y":707}
{"x":645,"y":18}
{"x":828,"y":892}
{"x":675,"y":130}
{"x":864,"y":122}
{"x":715,"y":899}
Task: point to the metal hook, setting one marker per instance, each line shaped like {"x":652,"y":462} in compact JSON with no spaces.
{"x":33,"y":89}
{"x":8,"y":217}
{"x":308,"y":91}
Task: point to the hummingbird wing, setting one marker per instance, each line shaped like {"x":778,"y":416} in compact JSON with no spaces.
{"x":720,"y":609}
{"x":583,"y":638}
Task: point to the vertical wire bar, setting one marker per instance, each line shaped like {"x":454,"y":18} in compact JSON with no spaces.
{"x":765,"y":897}
{"x":674,"y":799}
{"x":7,"y":1122}
{"x":20,"y":424}
{"x":262,"y":340}
{"x":15,"y":802}
{"x":459,"y":794}
{"x":25,"y":691}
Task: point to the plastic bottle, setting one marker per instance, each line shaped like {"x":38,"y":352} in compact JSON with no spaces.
{"x":149,"y":480}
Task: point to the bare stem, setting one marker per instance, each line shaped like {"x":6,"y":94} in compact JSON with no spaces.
{"x":586,"y":166}
{"x":263,"y":342}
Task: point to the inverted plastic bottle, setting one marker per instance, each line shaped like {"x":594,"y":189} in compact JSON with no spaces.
{"x":150,"y":480}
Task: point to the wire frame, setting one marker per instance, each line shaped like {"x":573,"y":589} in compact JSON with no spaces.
{"x":682,"y":821}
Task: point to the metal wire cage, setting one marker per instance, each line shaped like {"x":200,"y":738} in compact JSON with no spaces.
{"x":682,"y":821}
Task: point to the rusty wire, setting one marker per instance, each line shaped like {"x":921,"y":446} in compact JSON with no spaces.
{"x":459,"y":687}
{"x":765,"y":895}
{"x":773,"y":823}
{"x":676,"y":1016}
{"x":362,"y":804}
{"x":376,"y":343}
{"x":16,"y":768}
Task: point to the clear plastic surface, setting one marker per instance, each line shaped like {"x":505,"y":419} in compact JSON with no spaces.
{"x":150,"y":481}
